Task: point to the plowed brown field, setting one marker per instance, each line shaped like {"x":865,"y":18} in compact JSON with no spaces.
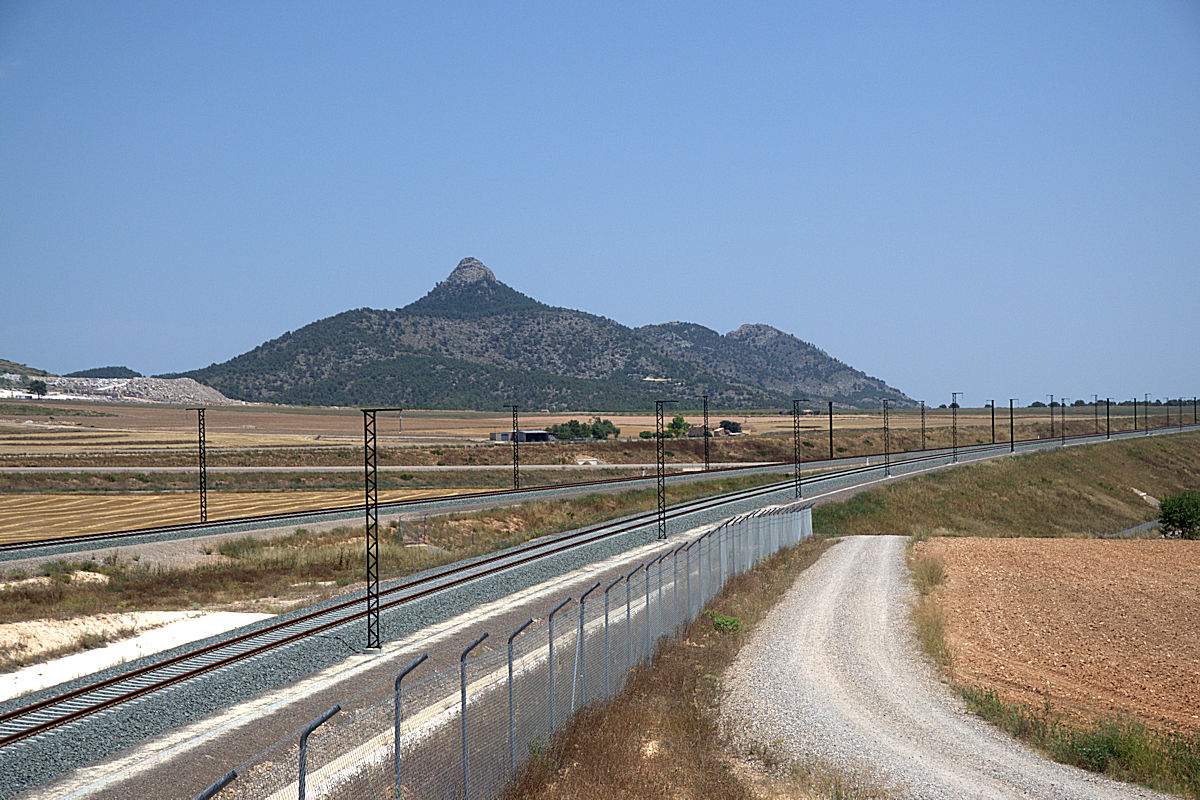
{"x":1093,"y":627}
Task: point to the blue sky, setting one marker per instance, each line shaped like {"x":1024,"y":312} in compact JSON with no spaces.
{"x":997,"y":198}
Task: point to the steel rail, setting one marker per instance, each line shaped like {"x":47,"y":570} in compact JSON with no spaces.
{"x":284,"y":516}
{"x":276,"y":635}
{"x":425,"y":585}
{"x":307,"y":624}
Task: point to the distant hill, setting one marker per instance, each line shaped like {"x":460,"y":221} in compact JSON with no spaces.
{"x":20,"y":369}
{"x":105,"y":372}
{"x":473,"y":342}
{"x":777,"y":361}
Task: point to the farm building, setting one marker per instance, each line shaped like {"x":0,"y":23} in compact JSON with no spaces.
{"x":522,"y":436}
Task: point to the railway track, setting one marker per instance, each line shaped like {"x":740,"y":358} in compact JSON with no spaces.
{"x":310,"y":516}
{"x":44,"y":715}
{"x":331,"y":513}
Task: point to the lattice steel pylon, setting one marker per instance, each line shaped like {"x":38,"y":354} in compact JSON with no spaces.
{"x":707,"y":462}
{"x":796,"y":445}
{"x":371,"y":483}
{"x":660,"y":459}
{"x":203,"y":459}
{"x":516,"y":439}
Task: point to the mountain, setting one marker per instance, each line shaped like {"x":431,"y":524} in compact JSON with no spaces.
{"x":768,"y":357}
{"x":473,"y":342}
{"x":15,"y":368}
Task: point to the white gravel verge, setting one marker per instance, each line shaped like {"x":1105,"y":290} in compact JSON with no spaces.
{"x":833,"y":672}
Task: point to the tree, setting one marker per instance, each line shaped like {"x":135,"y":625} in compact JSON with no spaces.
{"x":1179,"y":515}
{"x":677,"y":428}
{"x":603,"y":428}
{"x":38,"y":387}
{"x":1037,"y":404}
{"x":730,"y":425}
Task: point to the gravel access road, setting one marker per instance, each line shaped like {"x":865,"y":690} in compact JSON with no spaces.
{"x":834,"y":672}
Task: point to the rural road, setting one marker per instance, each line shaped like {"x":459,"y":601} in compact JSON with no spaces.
{"x":833,"y":672}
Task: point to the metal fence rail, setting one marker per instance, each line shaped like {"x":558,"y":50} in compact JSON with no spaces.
{"x":465,"y":727}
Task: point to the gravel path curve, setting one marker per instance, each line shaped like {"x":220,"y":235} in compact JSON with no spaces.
{"x":834,"y":672}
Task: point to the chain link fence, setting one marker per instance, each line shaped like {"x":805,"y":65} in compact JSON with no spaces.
{"x":462,"y":724}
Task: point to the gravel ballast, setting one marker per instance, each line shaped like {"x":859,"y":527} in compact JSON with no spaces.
{"x":833,"y":672}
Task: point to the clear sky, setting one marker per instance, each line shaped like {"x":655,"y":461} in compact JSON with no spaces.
{"x":998,"y":198}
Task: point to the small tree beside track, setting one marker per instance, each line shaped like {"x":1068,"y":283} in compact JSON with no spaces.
{"x":1179,"y":515}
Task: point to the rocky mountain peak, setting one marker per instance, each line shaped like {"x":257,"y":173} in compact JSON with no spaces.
{"x":755,"y":333}
{"x":470,"y":270}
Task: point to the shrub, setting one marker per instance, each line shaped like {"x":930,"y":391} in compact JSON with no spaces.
{"x":1179,"y":515}
{"x":723,"y":623}
{"x":237,"y":548}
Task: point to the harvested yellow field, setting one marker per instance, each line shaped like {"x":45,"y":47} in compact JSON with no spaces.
{"x":25,"y":517}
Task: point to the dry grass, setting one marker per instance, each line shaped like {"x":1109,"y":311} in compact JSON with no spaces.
{"x":928,"y":615}
{"x":660,"y":737}
{"x":1076,"y":491}
{"x":281,"y":571}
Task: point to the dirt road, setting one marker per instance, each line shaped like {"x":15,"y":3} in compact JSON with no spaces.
{"x":834,"y":672}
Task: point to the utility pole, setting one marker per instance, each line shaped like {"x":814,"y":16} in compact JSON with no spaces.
{"x":954,"y":422}
{"x":796,"y":443}
{"x":515,"y":438}
{"x":1012,"y":440}
{"x":371,"y":484}
{"x":660,"y":455}
{"x":1051,"y":416}
{"x":707,"y":463}
{"x":1108,"y":418}
{"x":1096,"y":410}
{"x":1146,"y":414}
{"x":203,"y":459}
{"x":1195,"y":401}
{"x":830,"y":430}
{"x":992,"y":403}
{"x":922,"y":424}
{"x":887,"y":442}
{"x":1062,"y":429}
{"x":1135,"y":427}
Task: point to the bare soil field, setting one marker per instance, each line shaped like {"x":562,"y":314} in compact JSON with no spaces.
{"x":25,"y":517}
{"x":1083,"y":628}
{"x":81,"y":427}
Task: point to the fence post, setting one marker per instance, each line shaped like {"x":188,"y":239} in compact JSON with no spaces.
{"x":607,"y":651}
{"x":550,"y":663}
{"x":661,"y":623}
{"x":687,"y":562}
{"x":629,"y":622}
{"x":396,"y":720}
{"x":579,"y":648}
{"x":675,"y":582}
{"x":646,"y":566}
{"x":462,"y":666}
{"x":218,"y":786}
{"x":304,"y":743}
{"x":512,"y":747}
